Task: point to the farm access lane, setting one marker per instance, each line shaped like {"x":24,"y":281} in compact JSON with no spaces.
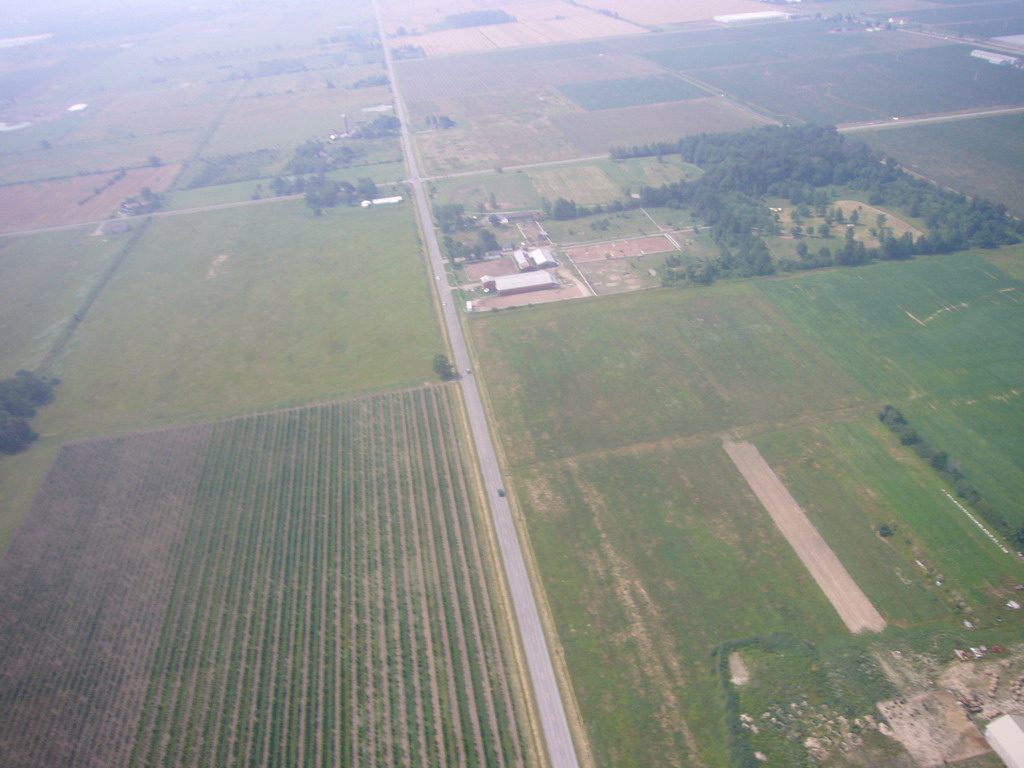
{"x":548,"y":696}
{"x":941,"y":117}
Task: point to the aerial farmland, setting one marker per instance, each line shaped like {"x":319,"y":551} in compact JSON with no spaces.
{"x":399,"y":384}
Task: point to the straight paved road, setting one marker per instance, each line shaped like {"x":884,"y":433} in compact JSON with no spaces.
{"x":551,"y":710}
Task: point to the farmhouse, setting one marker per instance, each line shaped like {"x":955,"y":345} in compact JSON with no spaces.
{"x":509,"y":285}
{"x":1006,"y":735}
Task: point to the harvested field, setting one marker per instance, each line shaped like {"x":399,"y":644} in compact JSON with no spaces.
{"x":620,"y":249}
{"x":53,"y":203}
{"x":846,"y":597}
{"x":303,"y":587}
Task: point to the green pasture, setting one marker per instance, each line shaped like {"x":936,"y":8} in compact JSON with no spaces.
{"x":594,"y":132}
{"x":46,"y":277}
{"x":606,"y":226}
{"x":979,"y":157}
{"x":633,"y":173}
{"x":585,"y":184}
{"x":939,"y":338}
{"x":651,"y":557}
{"x":249,"y":308}
{"x":630,"y":92}
{"x":643,"y":367}
{"x":512,"y":191}
{"x":871,"y":85}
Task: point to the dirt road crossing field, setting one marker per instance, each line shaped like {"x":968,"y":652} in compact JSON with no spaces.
{"x":828,"y":572}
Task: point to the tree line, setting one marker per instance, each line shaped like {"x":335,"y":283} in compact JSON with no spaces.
{"x":20,"y":395}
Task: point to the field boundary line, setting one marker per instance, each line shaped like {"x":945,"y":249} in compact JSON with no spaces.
{"x":825,"y":568}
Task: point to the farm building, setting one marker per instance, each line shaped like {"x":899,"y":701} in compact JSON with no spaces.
{"x":738,"y":18}
{"x":524,"y":282}
{"x":382,"y":201}
{"x":513,"y":216}
{"x":996,"y":58}
{"x":1006,"y":735}
{"x":523,"y":262}
{"x":541,"y":258}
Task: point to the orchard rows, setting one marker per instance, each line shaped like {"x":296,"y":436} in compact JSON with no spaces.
{"x":305,"y":587}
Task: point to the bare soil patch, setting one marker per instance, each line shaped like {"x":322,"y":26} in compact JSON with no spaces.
{"x":620,"y":249}
{"x":54,"y":203}
{"x":828,"y":572}
{"x":933,"y":728}
{"x":739,"y":674}
{"x":492,"y":268}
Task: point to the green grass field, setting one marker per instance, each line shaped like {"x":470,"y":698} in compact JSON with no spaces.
{"x":981,"y":157}
{"x":513,"y":191}
{"x":939,"y":338}
{"x":46,"y":278}
{"x":246,"y":308}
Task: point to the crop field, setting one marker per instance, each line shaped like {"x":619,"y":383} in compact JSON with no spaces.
{"x":493,"y":131}
{"x":303,"y":587}
{"x":604,"y":227}
{"x":630,"y":92}
{"x":45,"y":279}
{"x":591,"y":133}
{"x":637,"y":172}
{"x":73,"y":201}
{"x":939,"y":339}
{"x":251,"y":307}
{"x":872,"y":86}
{"x":982,"y":157}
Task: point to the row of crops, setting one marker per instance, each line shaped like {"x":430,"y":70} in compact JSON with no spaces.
{"x":323,"y":600}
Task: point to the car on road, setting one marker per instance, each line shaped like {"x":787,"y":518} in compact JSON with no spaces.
{"x":501,"y":492}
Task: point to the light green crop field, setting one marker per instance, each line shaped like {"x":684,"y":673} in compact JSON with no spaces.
{"x":45,"y":279}
{"x":939,"y":338}
{"x":248,"y":308}
{"x":651,"y":367}
{"x":585,"y":184}
{"x":634,"y":173}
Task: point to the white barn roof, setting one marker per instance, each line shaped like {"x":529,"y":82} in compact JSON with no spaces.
{"x":1006,"y":735}
{"x":525,"y":280}
{"x":542,"y":257}
{"x":732,"y":18}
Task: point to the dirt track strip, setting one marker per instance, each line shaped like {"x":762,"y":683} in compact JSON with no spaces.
{"x":846,"y":597}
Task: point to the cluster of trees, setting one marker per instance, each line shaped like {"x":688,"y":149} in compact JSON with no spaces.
{"x":950,"y":471}
{"x":407,"y":52}
{"x":564,"y":210}
{"x":369,"y":82}
{"x":320,"y":192}
{"x":804,"y":164}
{"x":382,"y":126}
{"x":147,"y":201}
{"x":316,"y":156}
{"x":20,"y":395}
{"x":444,"y":369}
{"x":442,"y":122}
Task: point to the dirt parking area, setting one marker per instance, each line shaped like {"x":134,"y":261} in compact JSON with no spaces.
{"x":933,"y":729}
{"x":492,"y":268}
{"x":620,"y":249}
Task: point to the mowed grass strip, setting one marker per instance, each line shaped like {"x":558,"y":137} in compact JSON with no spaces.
{"x":650,"y":557}
{"x":939,"y":338}
{"x":239,"y":309}
{"x":566,"y":380}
